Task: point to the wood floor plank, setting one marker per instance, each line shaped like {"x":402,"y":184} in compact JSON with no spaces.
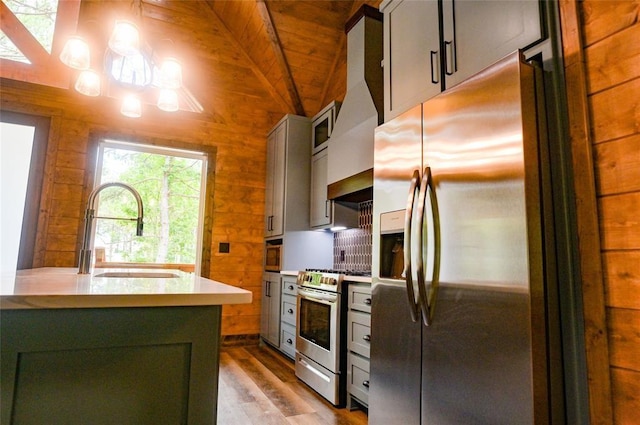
{"x":282,"y":367}
{"x":258,"y":386}
{"x":276,"y":390}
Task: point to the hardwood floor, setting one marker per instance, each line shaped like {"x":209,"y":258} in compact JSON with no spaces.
{"x":258,"y":386}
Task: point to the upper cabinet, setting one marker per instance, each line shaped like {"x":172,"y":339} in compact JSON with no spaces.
{"x":319,"y":210}
{"x":411,"y":40}
{"x":418,"y":63}
{"x":287,"y":185}
{"x":322,"y":126}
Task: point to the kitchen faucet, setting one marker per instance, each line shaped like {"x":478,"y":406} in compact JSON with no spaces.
{"x":89,"y":216}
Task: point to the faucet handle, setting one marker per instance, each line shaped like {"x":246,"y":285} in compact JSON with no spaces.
{"x":139,"y":226}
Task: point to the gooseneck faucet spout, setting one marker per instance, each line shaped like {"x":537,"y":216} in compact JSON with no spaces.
{"x":89,"y":216}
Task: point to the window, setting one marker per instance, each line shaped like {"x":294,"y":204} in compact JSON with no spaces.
{"x":172,"y":185}
{"x":39,"y":18}
{"x":32,"y":34}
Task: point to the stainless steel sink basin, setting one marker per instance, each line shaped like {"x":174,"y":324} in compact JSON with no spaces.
{"x":138,"y":274}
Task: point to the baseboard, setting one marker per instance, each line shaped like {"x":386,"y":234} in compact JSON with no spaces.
{"x":240,"y":340}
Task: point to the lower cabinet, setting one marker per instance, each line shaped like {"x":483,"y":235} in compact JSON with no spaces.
{"x":270,"y":309}
{"x":288,"y":314}
{"x":358,"y":344}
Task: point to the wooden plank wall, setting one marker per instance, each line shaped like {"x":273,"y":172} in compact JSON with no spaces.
{"x":608,"y":34}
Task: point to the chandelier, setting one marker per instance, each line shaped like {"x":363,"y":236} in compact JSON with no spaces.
{"x":129,"y":64}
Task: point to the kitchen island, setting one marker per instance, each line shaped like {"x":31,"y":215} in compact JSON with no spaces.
{"x":115,"y":346}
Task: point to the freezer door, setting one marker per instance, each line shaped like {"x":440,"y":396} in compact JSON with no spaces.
{"x":394,"y":392}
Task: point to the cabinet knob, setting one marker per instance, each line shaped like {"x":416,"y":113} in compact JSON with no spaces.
{"x":367,"y":338}
{"x":289,"y":341}
{"x":290,"y":311}
{"x":365,"y":384}
{"x":291,"y":287}
{"x":367,"y":301}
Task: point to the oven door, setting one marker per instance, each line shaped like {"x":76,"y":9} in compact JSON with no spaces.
{"x":318,"y":327}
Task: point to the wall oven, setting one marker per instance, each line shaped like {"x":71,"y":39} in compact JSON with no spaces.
{"x":321,"y":334}
{"x":273,"y":255}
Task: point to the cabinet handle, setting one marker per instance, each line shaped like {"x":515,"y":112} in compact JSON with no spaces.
{"x":367,"y":338}
{"x":435,"y":72}
{"x":365,"y":384}
{"x":290,"y":311}
{"x":326,"y":209}
{"x":367,"y":301}
{"x":449,"y":58}
{"x":267,"y":287}
{"x":289,"y":341}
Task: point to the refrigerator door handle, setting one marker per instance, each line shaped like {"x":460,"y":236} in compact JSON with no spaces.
{"x":428,"y":298}
{"x":414,"y":308}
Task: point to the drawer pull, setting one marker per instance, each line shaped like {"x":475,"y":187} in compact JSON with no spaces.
{"x":290,"y":311}
{"x":289,"y":341}
{"x":367,"y":301}
{"x":367,"y":338}
{"x":365,"y":384}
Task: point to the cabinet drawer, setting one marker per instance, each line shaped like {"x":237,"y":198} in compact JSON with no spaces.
{"x":359,"y":333}
{"x":360,"y":297}
{"x":358,"y":378}
{"x":288,"y":340}
{"x":288,"y":311}
{"x":289,"y":286}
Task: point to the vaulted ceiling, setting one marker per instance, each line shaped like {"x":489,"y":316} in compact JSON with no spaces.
{"x":286,"y":53}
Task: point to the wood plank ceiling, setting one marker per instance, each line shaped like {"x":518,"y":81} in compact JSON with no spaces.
{"x":280,"y":52}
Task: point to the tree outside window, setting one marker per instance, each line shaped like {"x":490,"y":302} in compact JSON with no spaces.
{"x":170,"y":187}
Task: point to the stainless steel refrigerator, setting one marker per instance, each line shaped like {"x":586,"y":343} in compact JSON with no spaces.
{"x":458,"y":314}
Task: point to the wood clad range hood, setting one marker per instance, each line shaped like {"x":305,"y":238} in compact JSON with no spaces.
{"x":350,"y":169}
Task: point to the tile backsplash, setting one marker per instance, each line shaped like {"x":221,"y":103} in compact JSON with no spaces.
{"x":352,"y":248}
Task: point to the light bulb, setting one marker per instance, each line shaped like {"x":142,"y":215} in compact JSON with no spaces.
{"x":75,"y":53}
{"x":88,"y":83}
{"x":125,"y":39}
{"x":131,"y":106}
{"x":171,"y":74}
{"x":168,"y":100}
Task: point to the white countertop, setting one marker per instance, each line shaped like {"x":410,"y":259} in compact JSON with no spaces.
{"x":359,"y":279}
{"x":57,"y":287}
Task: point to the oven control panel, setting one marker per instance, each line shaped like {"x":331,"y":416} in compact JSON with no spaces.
{"x":320,"y":280}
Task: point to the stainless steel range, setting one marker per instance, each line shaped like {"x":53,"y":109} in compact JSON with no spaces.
{"x":321,"y":333}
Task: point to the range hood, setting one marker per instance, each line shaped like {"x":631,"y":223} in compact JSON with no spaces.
{"x":350,"y":152}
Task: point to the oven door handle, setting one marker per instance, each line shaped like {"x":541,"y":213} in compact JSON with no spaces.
{"x":317,"y":297}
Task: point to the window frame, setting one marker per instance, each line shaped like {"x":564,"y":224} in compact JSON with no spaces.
{"x":210,"y":152}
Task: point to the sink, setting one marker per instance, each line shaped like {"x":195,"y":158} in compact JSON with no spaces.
{"x":138,"y":274}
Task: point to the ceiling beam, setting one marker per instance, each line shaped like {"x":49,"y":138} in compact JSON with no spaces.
{"x":263,"y":9}
{"x":254,"y":67}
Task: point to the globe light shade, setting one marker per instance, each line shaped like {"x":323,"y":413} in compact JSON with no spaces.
{"x":125,"y":39}
{"x":75,"y":53}
{"x":131,"y":106}
{"x":88,"y":83}
{"x":168,"y":100}
{"x":171,"y":74}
